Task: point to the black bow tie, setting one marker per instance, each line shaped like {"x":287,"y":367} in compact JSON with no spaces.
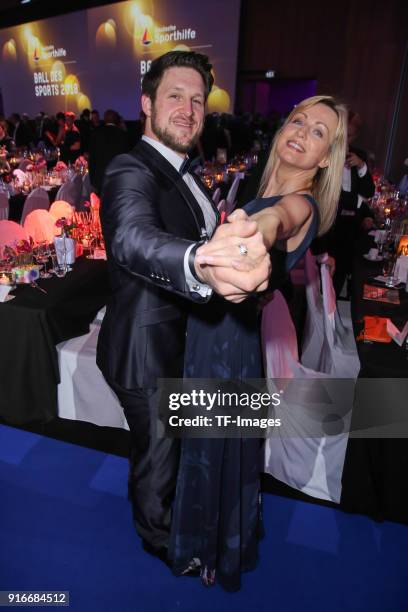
{"x":185,"y":166}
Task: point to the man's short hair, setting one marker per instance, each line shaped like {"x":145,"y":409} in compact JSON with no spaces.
{"x":178,"y":59}
{"x":111,"y":116}
{"x":70,"y":114}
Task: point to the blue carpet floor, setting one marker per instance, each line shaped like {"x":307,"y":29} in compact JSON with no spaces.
{"x":65,"y":524}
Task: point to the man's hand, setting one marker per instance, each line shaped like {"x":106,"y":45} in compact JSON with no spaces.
{"x":235,"y":261}
{"x":354,"y":160}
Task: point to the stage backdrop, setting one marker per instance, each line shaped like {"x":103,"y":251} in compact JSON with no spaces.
{"x":96,"y":58}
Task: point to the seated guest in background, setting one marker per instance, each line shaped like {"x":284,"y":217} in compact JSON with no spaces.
{"x":84,"y":127}
{"x":106,"y":141}
{"x":95,"y":119}
{"x":39,"y":122}
{"x":54,"y":130}
{"x":21,"y":132}
{"x":353,"y":214}
{"x":71,"y":145}
{"x":5,"y":140}
{"x":214,"y":136}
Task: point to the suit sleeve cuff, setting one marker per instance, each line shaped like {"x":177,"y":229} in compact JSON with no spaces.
{"x":194,"y":285}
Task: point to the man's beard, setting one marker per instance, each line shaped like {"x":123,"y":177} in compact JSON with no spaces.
{"x":170,"y":140}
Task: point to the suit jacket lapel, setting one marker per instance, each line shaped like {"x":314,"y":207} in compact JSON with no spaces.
{"x":152,"y":155}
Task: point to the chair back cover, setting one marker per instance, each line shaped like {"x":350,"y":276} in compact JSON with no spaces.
{"x":40,"y":225}
{"x":222,"y":205}
{"x":37,"y":199}
{"x":216,"y":196}
{"x":21,"y":176}
{"x":232,"y":194}
{"x":4,"y":206}
{"x":313,"y":332}
{"x":10,"y":233}
{"x":85,"y":192}
{"x":338,"y":356}
{"x":71,"y":191}
{"x":24,"y":164}
{"x":298,"y":452}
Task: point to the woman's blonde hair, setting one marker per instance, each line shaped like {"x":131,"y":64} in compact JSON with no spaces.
{"x":326,"y":185}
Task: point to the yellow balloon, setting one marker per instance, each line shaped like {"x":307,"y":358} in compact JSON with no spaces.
{"x":106,"y":35}
{"x":10,"y":51}
{"x":59,"y":66}
{"x":181,"y":48}
{"x":218,"y":101}
{"x":71,"y":85}
{"x":135,"y":13}
{"x":83,"y":102}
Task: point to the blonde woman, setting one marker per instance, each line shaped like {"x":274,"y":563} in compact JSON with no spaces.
{"x":216,"y":519}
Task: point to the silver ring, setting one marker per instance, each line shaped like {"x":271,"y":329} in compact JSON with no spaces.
{"x":243,"y":249}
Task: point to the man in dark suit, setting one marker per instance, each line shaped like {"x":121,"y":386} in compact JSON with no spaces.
{"x":106,"y":141}
{"x":21,"y":131}
{"x":154,"y":217}
{"x":353,"y":214}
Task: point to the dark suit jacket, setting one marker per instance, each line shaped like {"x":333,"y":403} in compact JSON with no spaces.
{"x":105,"y":142}
{"x":23,"y":136}
{"x":340,"y":239}
{"x":149,"y":218}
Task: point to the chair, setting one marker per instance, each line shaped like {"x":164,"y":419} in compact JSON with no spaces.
{"x":216,"y":196}
{"x":222,"y":205}
{"x":24,"y":164}
{"x":59,"y":209}
{"x":37,"y":199}
{"x":313,"y":331}
{"x":86,"y":188}
{"x":232,"y":194}
{"x":299,"y":452}
{"x":10,"y":233}
{"x":20,"y":176}
{"x":40,"y":225}
{"x":4,"y":206}
{"x":71,"y":191}
{"x":83,"y":393}
{"x":338,"y":356}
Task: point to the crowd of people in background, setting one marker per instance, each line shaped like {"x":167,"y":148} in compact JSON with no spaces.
{"x":100,"y":140}
{"x":85,"y":134}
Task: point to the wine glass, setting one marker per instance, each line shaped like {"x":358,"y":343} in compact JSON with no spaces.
{"x":388,"y":269}
{"x":42,"y":254}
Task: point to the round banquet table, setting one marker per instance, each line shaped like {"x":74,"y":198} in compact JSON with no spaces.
{"x":376,"y":466}
{"x":31,"y":325}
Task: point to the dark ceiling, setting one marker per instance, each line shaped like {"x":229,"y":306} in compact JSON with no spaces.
{"x":12,"y":12}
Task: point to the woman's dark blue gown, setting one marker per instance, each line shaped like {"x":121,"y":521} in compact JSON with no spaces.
{"x":217,"y":511}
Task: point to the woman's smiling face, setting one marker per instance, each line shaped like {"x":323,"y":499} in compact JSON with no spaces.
{"x":305,"y":140}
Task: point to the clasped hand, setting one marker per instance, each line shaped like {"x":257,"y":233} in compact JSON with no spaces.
{"x":221,"y":263}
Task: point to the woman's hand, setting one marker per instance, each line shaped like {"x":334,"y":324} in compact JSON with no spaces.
{"x":236,"y":244}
